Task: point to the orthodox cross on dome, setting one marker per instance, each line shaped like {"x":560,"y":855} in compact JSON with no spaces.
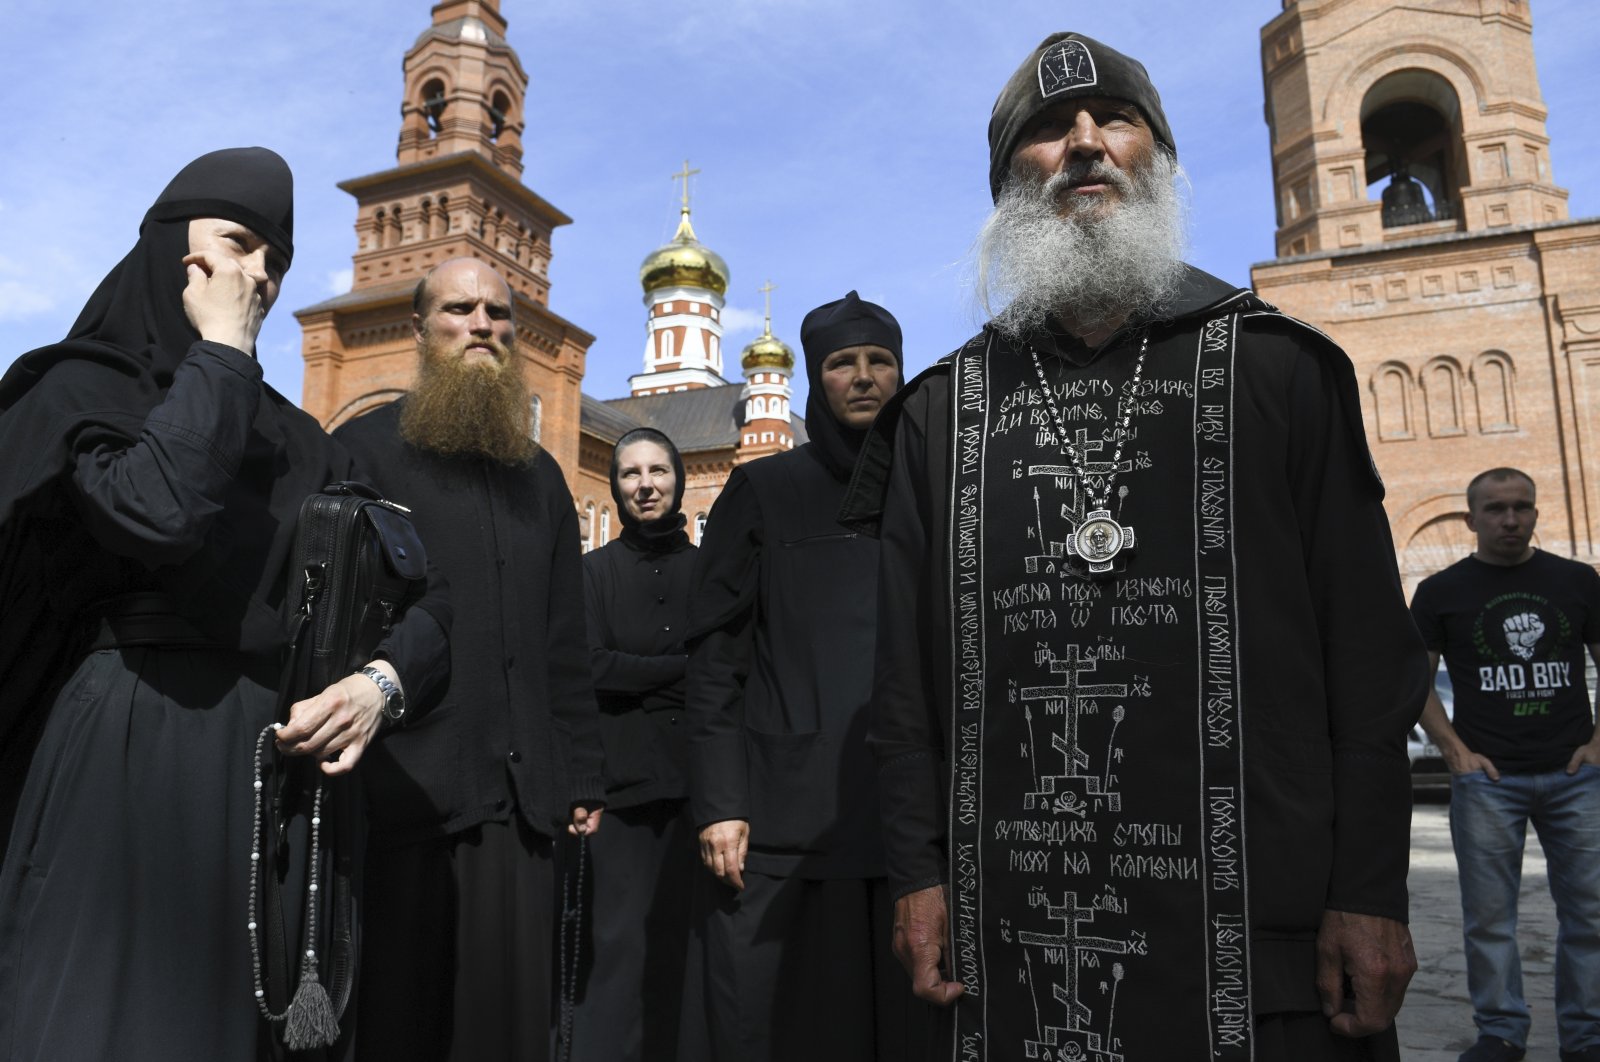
{"x":766,"y":293}
{"x":684,"y":175}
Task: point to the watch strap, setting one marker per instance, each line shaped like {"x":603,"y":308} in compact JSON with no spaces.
{"x":394,"y":701}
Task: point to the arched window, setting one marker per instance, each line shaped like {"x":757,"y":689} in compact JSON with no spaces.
{"x":1494,"y":383}
{"x":1437,"y":544}
{"x":441,"y":224}
{"x":588,"y":526}
{"x":1411,"y":131}
{"x":1391,"y":402}
{"x":1441,"y":390}
{"x":380,"y":227}
{"x":699,"y":527}
{"x":758,"y":407}
{"x":397,"y":231}
{"x":499,"y":108}
{"x":605,"y":525}
{"x":433,"y":105}
{"x":668,"y":344}
{"x":536,"y":417}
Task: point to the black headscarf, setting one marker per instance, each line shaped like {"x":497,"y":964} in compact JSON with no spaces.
{"x":665,"y":533}
{"x":113,"y":368}
{"x":847,"y":322}
{"x":134,"y":322}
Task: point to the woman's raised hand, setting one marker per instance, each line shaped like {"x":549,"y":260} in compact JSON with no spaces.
{"x":222,"y":300}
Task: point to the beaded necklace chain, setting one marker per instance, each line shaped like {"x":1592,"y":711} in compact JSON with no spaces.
{"x":1120,"y":422}
{"x":1098,"y":538}
{"x":309,"y":1017}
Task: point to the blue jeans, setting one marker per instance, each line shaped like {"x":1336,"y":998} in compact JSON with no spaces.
{"x":1488,"y":822}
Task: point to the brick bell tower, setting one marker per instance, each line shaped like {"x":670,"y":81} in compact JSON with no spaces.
{"x":1420,"y":225}
{"x":456,"y":192}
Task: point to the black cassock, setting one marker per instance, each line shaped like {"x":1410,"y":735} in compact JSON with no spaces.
{"x":1142,"y":788}
{"x":797,"y":965}
{"x":643,"y":861}
{"x":124,"y":889}
{"x":466,"y":801}
{"x":149,"y":494}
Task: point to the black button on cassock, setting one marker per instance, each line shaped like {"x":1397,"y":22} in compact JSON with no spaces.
{"x":514,"y":756}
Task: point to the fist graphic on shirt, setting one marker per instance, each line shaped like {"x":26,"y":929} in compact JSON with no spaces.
{"x":1523,"y":632}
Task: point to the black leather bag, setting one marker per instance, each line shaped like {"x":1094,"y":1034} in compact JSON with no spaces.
{"x":357,"y":564}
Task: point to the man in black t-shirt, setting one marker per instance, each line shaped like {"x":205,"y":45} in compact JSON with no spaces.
{"x":1512,"y":623}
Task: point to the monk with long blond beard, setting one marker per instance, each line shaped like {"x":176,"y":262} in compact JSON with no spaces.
{"x":470,"y":398}
{"x":467,"y":800}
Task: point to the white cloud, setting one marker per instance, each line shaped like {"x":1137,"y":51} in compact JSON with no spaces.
{"x":339,"y":281}
{"x":21,"y":299}
{"x":28,"y":291}
{"x":736,"y":320}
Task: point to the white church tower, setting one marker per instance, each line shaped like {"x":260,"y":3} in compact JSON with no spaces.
{"x":684,"y":284}
{"x":768,"y":364}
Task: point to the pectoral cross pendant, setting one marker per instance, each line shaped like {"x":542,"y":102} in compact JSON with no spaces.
{"x":1098,"y":540}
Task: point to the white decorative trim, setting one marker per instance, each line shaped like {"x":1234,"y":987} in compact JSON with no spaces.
{"x":651,"y":382}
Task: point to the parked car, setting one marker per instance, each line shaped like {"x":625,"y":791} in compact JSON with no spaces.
{"x":1428,"y":770}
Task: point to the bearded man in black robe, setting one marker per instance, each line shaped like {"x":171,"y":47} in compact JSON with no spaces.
{"x":1144,"y":667}
{"x":457,"y":958}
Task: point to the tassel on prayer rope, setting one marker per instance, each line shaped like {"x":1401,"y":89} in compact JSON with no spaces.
{"x":310,"y":1021}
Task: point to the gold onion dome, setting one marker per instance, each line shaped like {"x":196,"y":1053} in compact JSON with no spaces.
{"x":767,"y":351}
{"x":684,"y":263}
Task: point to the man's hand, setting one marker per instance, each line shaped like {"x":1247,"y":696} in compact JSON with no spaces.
{"x":222,"y":301}
{"x":336,"y":724}
{"x":585,"y":821}
{"x":1583,"y":754}
{"x":722,"y":849}
{"x":1376,"y":955}
{"x":921,"y":927}
{"x":1462,"y":760}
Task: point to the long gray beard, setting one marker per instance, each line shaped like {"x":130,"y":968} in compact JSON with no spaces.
{"x":1096,"y":270}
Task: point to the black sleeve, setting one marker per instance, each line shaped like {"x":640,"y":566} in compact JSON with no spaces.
{"x":618,"y":672}
{"x":1374,"y":663}
{"x":904,"y":733}
{"x":613,"y":670}
{"x":419,"y":648}
{"x":572,"y":702}
{"x":722,"y":644}
{"x":1425,"y":614}
{"x":419,"y":644}
{"x":154,"y":499}
{"x":1591,"y":622}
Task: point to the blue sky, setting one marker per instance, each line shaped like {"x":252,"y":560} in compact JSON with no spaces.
{"x":841,"y":141}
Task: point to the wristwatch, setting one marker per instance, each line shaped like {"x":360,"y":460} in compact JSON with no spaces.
{"x":394,"y":702}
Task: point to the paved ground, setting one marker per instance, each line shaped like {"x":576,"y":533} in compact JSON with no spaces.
{"x":1436,"y":1021}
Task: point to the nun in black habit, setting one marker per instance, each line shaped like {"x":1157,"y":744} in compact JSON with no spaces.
{"x":147,"y":509}
{"x":636,"y":591}
{"x":795,"y":924}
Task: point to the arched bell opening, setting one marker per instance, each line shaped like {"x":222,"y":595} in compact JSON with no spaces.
{"x":433,"y":105}
{"x":1411,"y":130}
